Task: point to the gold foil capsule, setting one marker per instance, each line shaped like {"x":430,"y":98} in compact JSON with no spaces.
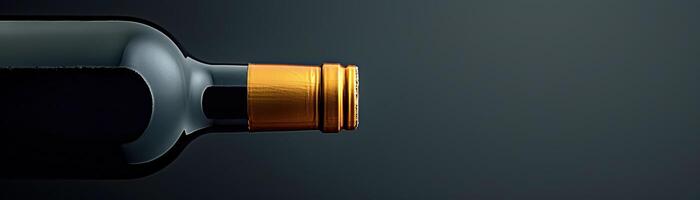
{"x":301,"y":97}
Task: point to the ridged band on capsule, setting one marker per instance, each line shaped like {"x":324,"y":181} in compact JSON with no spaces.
{"x":352,"y":97}
{"x":333,"y":83}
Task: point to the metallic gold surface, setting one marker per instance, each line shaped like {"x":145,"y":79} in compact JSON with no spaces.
{"x":300,"y":97}
{"x":283,"y":97}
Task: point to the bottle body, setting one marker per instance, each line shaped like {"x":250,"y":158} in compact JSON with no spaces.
{"x":71,"y":52}
{"x":126,"y":93}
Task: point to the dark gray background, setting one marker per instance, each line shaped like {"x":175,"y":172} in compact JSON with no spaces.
{"x":465,"y":99}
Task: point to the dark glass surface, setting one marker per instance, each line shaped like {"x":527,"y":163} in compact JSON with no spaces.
{"x":225,"y":102}
{"x":89,"y":105}
{"x":69,"y":122}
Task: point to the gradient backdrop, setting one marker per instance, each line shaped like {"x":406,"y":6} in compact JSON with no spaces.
{"x":471,"y":99}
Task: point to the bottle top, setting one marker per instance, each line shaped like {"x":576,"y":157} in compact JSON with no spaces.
{"x":300,"y":97}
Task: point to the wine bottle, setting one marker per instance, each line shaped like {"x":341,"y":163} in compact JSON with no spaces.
{"x":119,"y":99}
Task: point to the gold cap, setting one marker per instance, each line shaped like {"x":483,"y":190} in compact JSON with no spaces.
{"x":300,"y":97}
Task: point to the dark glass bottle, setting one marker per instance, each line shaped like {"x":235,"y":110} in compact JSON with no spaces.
{"x":118,"y":99}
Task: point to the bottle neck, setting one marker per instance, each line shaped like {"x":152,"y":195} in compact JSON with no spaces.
{"x":218,"y":95}
{"x":278,"y":97}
